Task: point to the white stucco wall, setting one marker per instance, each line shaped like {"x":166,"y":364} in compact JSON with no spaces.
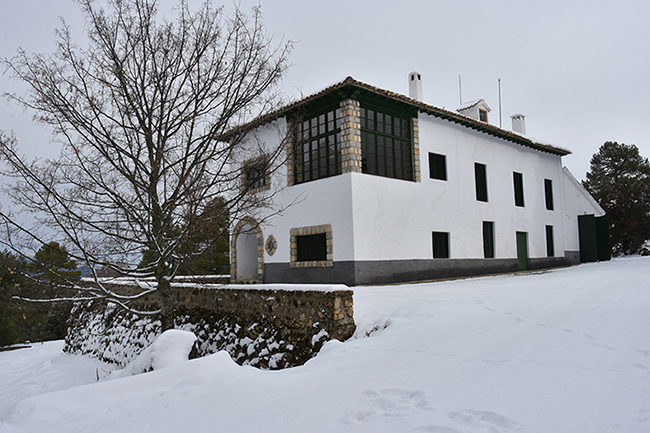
{"x":394,"y":219}
{"x":325,"y":201}
{"x":577,"y":202}
{"x":379,"y":218}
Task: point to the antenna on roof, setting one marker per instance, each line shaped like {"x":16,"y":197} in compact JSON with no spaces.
{"x":460,"y":92}
{"x":500,"y":125}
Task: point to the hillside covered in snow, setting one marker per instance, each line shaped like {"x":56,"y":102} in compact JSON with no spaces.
{"x":566,"y":350}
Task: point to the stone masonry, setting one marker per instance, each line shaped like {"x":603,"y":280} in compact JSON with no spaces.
{"x":350,"y":136}
{"x":257,"y":325}
{"x":415,"y":130}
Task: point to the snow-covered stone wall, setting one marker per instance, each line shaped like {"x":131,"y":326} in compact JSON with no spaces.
{"x":274,"y":326}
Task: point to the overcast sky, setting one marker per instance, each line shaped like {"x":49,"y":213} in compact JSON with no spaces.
{"x":578,"y":70}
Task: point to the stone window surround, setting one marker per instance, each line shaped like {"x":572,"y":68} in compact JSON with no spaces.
{"x":312,"y":230}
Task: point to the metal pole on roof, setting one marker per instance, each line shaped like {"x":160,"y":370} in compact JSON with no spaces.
{"x":460,"y":92}
{"x":500,"y":125}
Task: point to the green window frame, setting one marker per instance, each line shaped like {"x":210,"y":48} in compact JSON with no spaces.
{"x":317,"y":151}
{"x":548,"y":193}
{"x":386,"y":148}
{"x":488,"y":239}
{"x":550,"y":244}
{"x":518,"y":181}
{"x":440,"y":245}
{"x":437,"y":166}
{"x":311,"y":248}
{"x":480,"y":177}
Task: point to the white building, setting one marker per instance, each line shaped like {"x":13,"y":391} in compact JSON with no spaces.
{"x":386,"y":188}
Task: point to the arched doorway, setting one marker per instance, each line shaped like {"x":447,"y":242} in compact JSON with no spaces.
{"x":247,"y":252}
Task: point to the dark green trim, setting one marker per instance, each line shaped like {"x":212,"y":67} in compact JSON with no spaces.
{"x":488,"y":239}
{"x":550,"y":242}
{"x":437,"y":166}
{"x":587,"y":238}
{"x":440,"y":245}
{"x":386,"y":105}
{"x":480,"y":180}
{"x":518,"y":182}
{"x":602,"y":238}
{"x":548,"y":194}
{"x":522,"y":251}
{"x":311,"y":247}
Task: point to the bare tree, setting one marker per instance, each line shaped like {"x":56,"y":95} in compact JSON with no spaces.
{"x":147,"y":118}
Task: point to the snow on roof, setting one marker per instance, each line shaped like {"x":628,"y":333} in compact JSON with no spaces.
{"x":472,"y":104}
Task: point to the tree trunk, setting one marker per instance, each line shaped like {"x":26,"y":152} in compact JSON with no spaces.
{"x":166,"y":303}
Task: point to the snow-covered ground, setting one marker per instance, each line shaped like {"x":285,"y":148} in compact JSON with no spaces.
{"x":560,"y":351}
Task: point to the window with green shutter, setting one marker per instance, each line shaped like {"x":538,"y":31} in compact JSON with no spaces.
{"x":317,"y":151}
{"x":550,"y":246}
{"x":386,"y":145}
{"x":518,"y":180}
{"x":440,"y":245}
{"x":488,"y":239}
{"x":311,"y":248}
{"x":480,"y":178}
{"x":548,"y":193}
{"x":437,"y":166}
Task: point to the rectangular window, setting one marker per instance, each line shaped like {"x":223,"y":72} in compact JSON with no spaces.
{"x":385,"y":145}
{"x":437,"y":166}
{"x":518,"y":180}
{"x":548,"y":193}
{"x":255,"y":175}
{"x":482,"y":115}
{"x":488,"y":239}
{"x":480,"y":176}
{"x":550,"y":246}
{"x":311,"y":248}
{"x":440,"y":245}
{"x":317,"y":151}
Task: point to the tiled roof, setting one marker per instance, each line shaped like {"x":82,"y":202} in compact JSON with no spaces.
{"x":420,"y":106}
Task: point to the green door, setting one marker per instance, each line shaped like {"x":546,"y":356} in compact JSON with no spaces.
{"x":602,"y":238}
{"x":587,"y":238}
{"x":522,"y":251}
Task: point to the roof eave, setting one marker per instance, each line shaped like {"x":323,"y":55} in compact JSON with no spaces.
{"x":420,"y":106}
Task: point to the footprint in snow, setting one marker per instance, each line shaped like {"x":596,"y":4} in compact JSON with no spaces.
{"x":491,"y":421}
{"x":513,"y":317}
{"x":438,"y":429}
{"x":388,"y":403}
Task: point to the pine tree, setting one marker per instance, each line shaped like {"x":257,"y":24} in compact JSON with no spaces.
{"x":619,"y":180}
{"x":52,"y":272}
{"x":11,"y":278}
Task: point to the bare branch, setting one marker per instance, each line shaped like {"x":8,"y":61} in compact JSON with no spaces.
{"x":139,"y":113}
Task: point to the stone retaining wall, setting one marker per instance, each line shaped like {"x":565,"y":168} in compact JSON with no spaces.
{"x":267,"y":326}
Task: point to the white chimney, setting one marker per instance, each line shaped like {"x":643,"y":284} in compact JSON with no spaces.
{"x":519,"y":123}
{"x":415,"y":86}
